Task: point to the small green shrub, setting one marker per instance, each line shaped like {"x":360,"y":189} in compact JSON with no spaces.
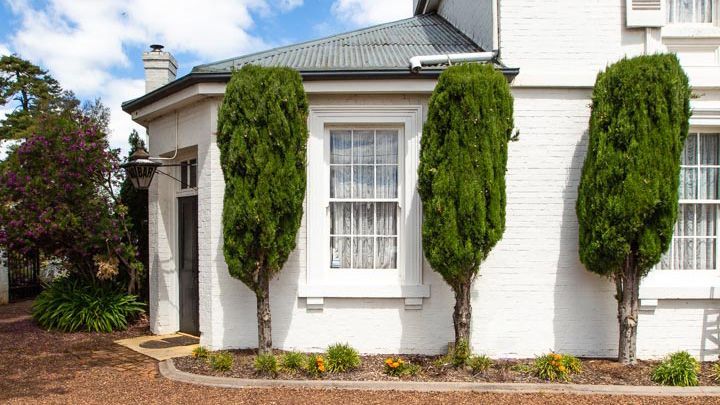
{"x":396,"y":366}
{"x":522,"y":368}
{"x":479,"y":364}
{"x":460,"y":354}
{"x":200,"y":352}
{"x":266,"y":364}
{"x":221,"y":361}
{"x":679,"y":369}
{"x":715,"y":372}
{"x":292,"y":361}
{"x":341,"y":358}
{"x":556,"y":366}
{"x":315,"y":364}
{"x":71,"y":304}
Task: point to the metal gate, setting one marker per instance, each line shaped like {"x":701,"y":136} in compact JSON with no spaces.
{"x":23,"y":274}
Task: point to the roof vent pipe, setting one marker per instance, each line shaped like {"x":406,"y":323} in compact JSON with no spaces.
{"x":417,"y":62}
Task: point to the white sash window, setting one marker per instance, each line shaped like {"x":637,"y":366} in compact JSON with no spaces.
{"x":690,"y":11}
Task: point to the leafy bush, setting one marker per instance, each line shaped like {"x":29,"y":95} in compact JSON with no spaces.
{"x":680,"y":369}
{"x":315,"y":364}
{"x":397,"y":367}
{"x":292,"y":361}
{"x":478,"y":364}
{"x":221,"y":361}
{"x":460,"y":353}
{"x":200,"y":352}
{"x":341,"y":358}
{"x":71,"y":304}
{"x":556,"y":366}
{"x":266,"y":364}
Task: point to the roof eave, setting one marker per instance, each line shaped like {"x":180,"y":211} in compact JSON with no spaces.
{"x":220,"y":77}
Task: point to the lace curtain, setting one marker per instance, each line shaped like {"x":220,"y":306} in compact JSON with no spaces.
{"x":694,"y":245}
{"x":363,"y":166}
{"x":690,"y":11}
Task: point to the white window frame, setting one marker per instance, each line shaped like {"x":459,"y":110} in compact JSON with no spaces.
{"x":320,"y":280}
{"x":685,"y":284}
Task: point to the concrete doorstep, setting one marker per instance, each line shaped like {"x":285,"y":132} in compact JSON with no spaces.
{"x":168,"y":370}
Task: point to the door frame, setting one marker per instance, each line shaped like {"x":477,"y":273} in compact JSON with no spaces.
{"x":179,"y":239}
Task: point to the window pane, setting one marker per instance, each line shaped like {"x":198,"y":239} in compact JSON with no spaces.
{"x":340,"y":218}
{"x":193,"y":173}
{"x":363,"y":253}
{"x":709,"y":149}
{"x":705,"y":254}
{"x":363,"y":181}
{"x":387,"y":146}
{"x":689,"y":156}
{"x":665,"y":260}
{"x":387,"y":218}
{"x":363,"y":146}
{"x":340,"y":147}
{"x":687,"y":220}
{"x":387,"y":181}
{"x":183,"y":175}
{"x":387,"y":253}
{"x":340,"y":253}
{"x":690,"y":11}
{"x":708,"y":183}
{"x":340,"y":181}
{"x":363,"y":219}
{"x":706,"y":217}
{"x":688,"y":183}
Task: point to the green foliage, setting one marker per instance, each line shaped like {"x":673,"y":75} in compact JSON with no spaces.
{"x":341,"y":358}
{"x":221,"y":361}
{"x":315,"y":364}
{"x":479,"y":364}
{"x":628,"y":195}
{"x":556,"y":366}
{"x":463,"y":161}
{"x":71,"y":304}
{"x":292,"y":361}
{"x":266,"y":364}
{"x":262,"y":136}
{"x":200,"y":352}
{"x":397,"y":367}
{"x":679,"y":369}
{"x":460,"y":354}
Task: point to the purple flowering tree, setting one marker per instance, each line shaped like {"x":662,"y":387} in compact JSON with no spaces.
{"x":58,"y":195}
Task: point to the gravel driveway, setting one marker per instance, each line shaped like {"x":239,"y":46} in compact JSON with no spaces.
{"x":44,"y":367}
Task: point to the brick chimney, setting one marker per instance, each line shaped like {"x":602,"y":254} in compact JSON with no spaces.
{"x":160,"y":68}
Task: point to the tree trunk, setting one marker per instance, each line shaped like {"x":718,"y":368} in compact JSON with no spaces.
{"x":628,"y":292}
{"x":462,"y":313}
{"x":263,"y":314}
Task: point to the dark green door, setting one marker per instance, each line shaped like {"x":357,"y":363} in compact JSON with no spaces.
{"x":188,"y":269}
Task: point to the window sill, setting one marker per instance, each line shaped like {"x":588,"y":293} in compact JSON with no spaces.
{"x":679,"y":285}
{"x":690,"y":31}
{"x":315,"y":294}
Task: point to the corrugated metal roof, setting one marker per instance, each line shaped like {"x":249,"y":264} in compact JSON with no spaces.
{"x":382,"y":47}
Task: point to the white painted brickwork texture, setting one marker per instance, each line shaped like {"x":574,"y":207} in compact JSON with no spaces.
{"x":533,"y":295}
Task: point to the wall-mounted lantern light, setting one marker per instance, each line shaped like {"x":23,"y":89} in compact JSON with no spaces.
{"x":140,"y":169}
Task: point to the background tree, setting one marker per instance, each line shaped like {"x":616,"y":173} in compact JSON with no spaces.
{"x":30,"y":90}
{"x":136,"y":202}
{"x":628,"y":195}
{"x":262,"y":136}
{"x":463,"y":161}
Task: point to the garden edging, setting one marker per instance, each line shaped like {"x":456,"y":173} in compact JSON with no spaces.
{"x":167,"y":369}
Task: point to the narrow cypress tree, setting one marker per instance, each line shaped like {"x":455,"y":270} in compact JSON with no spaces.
{"x":262,"y":137}
{"x":628,"y":195}
{"x":463,"y":159}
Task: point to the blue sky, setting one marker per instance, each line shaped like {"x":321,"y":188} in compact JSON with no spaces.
{"x":93,"y":47}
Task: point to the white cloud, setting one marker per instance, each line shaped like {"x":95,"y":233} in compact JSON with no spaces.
{"x":4,"y":50}
{"x":368,"y":12}
{"x":81,"y":41}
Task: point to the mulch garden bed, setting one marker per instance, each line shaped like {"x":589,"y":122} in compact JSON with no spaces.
{"x":594,"y":371}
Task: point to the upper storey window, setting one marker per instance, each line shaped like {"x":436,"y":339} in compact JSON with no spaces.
{"x":690,"y":11}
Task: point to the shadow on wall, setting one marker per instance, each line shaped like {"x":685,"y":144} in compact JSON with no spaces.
{"x":710,"y":340}
{"x":584,"y":317}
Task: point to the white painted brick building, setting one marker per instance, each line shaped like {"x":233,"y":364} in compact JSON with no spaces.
{"x":533,"y":294}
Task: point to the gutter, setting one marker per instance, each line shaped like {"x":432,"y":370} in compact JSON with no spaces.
{"x":223,"y":77}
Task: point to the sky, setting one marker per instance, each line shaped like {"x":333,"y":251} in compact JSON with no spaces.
{"x":94,"y":47}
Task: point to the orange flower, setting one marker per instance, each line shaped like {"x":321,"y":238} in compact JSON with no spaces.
{"x":561,"y":368}
{"x":395,"y":365}
{"x":321,"y":368}
{"x":389,"y":361}
{"x":557,"y":356}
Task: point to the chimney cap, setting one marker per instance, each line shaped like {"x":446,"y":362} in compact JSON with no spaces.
{"x":156,"y":47}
